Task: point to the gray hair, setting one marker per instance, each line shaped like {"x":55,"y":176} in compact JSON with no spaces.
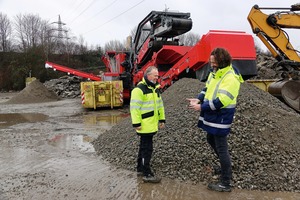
{"x":149,"y":70}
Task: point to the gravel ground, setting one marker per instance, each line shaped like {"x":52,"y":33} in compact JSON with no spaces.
{"x":53,"y":158}
{"x":264,"y":141}
{"x":39,"y":161}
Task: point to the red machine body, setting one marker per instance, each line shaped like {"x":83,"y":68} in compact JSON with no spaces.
{"x":156,"y":44}
{"x":185,"y":58}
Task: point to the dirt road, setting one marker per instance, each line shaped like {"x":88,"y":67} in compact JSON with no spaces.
{"x":46,"y":154}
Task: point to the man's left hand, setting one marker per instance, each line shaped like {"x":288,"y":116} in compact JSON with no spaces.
{"x":196,"y":107}
{"x":161,"y":125}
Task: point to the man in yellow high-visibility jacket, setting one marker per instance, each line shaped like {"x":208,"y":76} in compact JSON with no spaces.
{"x":147,"y":114}
{"x":217,"y":103}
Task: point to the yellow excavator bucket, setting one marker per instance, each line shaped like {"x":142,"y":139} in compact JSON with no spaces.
{"x":287,"y":90}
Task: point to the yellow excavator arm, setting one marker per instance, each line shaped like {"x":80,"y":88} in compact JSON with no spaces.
{"x":270,"y":30}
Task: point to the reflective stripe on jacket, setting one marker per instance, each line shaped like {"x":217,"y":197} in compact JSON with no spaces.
{"x":146,"y":108}
{"x":218,"y":107}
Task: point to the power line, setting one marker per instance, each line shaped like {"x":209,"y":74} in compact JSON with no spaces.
{"x":70,"y":7}
{"x":100,"y":11}
{"x":62,"y":10}
{"x":114,"y":18}
{"x":77,"y":7}
{"x":83,"y":11}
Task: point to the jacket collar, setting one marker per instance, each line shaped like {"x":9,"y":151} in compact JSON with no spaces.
{"x":149,"y":84}
{"x":221,"y":72}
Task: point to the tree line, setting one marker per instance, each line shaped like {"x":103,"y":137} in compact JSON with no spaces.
{"x":27,"y":41}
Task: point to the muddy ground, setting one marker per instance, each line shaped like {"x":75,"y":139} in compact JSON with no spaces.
{"x":46,"y":153}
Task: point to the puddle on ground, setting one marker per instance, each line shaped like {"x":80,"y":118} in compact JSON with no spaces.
{"x":9,"y":119}
{"x":73,"y":142}
{"x":83,"y":142}
{"x":105,"y":121}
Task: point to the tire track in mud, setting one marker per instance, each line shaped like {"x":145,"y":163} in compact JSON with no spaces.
{"x":65,"y":175}
{"x":69,"y":175}
{"x":89,"y":179}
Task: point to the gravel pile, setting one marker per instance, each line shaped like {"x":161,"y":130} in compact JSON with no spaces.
{"x":264,"y":141}
{"x":266,"y":68}
{"x":35,"y":92}
{"x":65,"y":87}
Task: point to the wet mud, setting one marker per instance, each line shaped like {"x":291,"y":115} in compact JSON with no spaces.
{"x":46,"y":153}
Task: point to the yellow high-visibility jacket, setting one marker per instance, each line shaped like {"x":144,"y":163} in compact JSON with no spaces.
{"x":146,"y":108}
{"x":219,"y":103}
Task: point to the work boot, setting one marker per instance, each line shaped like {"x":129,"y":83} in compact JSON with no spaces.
{"x":220,"y":187}
{"x":151,"y":179}
{"x":139,"y":169}
{"x":139,"y":173}
{"x":217,"y":170}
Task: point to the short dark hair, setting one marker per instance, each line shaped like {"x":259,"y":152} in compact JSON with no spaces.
{"x":222,"y":57}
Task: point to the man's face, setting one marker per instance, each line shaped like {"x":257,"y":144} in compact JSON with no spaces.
{"x":153,"y":76}
{"x":213,"y":63}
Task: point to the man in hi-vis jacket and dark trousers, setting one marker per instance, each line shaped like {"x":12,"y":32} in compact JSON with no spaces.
{"x":147,"y":115}
{"x":217,"y":103}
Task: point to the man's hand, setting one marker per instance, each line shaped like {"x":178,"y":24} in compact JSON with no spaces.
{"x":138,"y":128}
{"x":196,"y":107}
{"x":161,"y":125}
{"x":194,"y":104}
{"x":193,"y":101}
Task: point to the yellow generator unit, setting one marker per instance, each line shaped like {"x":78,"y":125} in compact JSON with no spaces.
{"x":97,"y":94}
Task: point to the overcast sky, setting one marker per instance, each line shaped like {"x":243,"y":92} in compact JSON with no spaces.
{"x":100,"y":21}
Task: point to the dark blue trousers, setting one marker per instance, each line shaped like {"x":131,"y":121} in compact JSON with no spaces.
{"x":220,"y":146}
{"x":145,"y":154}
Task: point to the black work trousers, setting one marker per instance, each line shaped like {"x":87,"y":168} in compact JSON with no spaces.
{"x":145,"y":154}
{"x":220,"y":146}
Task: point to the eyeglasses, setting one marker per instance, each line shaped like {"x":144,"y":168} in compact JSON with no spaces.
{"x":155,"y":75}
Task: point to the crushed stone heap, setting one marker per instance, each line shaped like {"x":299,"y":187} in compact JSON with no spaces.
{"x":65,"y":87}
{"x":35,"y":92}
{"x":264,"y":142}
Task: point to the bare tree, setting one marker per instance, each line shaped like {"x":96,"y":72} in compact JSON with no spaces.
{"x":189,"y":39}
{"x":5,"y":33}
{"x":71,"y":47}
{"x":43,"y":33}
{"x":48,"y":41}
{"x":82,"y":45}
{"x":114,"y":45}
{"x":28,"y":30}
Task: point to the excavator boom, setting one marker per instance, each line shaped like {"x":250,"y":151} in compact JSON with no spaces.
{"x":270,"y":29}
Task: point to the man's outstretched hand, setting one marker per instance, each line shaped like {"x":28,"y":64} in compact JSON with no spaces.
{"x":194,"y":104}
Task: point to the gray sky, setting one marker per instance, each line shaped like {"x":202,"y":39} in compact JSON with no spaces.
{"x":100,"y":21}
